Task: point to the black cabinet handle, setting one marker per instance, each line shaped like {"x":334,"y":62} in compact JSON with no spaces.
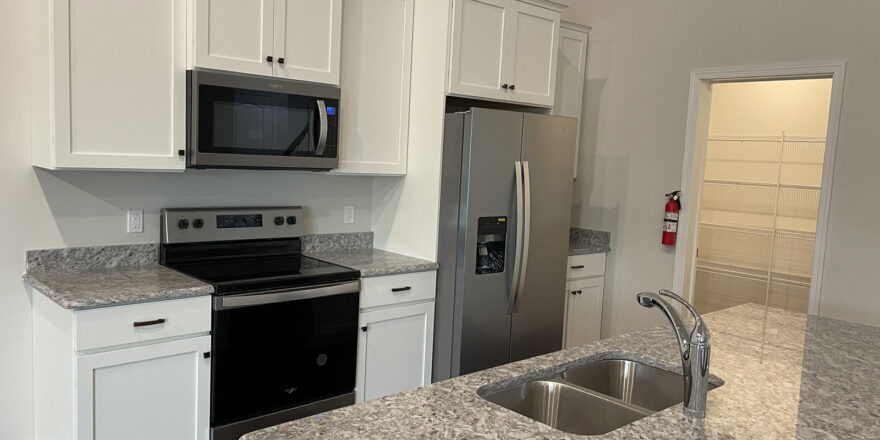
{"x":512,"y":86}
{"x":149,"y":323}
{"x":574,"y":292}
{"x":181,"y":152}
{"x":504,"y":86}
{"x":580,"y":292}
{"x":581,"y":266}
{"x":207,"y":354}
{"x":281,"y":60}
{"x":401,"y":289}
{"x":364,"y":328}
{"x":269,"y":58}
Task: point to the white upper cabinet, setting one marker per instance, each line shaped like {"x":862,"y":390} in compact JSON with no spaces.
{"x":532,"y":73}
{"x":307,"y":38}
{"x":504,"y":50}
{"x":480,"y":35}
{"x":235,"y":35}
{"x":375,"y":87}
{"x":570,"y":75}
{"x":296,"y":39}
{"x":108,"y":84}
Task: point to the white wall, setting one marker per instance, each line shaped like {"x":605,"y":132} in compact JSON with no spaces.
{"x":42,"y":209}
{"x":406,"y":209}
{"x":641,"y":56}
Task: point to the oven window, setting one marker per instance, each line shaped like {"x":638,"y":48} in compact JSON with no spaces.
{"x":276,"y":356}
{"x":253,"y":122}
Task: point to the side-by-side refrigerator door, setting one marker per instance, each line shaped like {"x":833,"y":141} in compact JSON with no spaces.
{"x":492,"y":148}
{"x":548,"y":150}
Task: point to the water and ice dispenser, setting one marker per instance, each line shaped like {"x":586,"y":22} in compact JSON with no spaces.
{"x":491,"y":244}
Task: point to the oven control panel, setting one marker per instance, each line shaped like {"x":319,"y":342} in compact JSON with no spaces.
{"x":221,"y":224}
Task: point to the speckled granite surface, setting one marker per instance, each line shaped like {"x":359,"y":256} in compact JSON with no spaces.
{"x":785,"y":376}
{"x":375,"y":262}
{"x":101,"y":276}
{"x":337,"y":242}
{"x":588,"y":241}
{"x":92,"y":257}
{"x":113,"y":286}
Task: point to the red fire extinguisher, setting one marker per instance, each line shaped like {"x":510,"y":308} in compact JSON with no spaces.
{"x":670,"y":219}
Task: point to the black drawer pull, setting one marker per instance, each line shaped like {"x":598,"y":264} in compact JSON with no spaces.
{"x":149,"y":323}
{"x":401,"y":289}
{"x":581,"y":266}
{"x":574,"y":292}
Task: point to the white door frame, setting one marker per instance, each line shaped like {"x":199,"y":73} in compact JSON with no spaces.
{"x":694,"y":163}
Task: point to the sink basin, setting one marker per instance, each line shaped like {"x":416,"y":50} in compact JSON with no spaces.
{"x":596,"y":398}
{"x":631,"y":382}
{"x":565,"y":407}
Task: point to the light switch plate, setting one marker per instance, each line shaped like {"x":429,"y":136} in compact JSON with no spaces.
{"x":348,"y":214}
{"x":135,"y":221}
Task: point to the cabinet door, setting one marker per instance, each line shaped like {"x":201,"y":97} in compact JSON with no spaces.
{"x":120,"y":84}
{"x":234,"y":35}
{"x":158,"y":391}
{"x":583,"y":311}
{"x":571,"y":66}
{"x":532,"y":71}
{"x":307,"y":39}
{"x":479,"y":51}
{"x":375,"y":86}
{"x":394,"y":352}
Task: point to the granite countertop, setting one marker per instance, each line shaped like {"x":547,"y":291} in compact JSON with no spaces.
{"x":374,"y":262}
{"x":101,"y":287}
{"x":100,"y":276}
{"x":588,"y":241}
{"x":786,"y":376}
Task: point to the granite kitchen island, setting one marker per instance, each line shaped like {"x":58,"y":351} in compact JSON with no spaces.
{"x":785,"y":376}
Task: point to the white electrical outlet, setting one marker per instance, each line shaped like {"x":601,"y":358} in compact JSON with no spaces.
{"x":135,"y":221}
{"x":348,"y":214}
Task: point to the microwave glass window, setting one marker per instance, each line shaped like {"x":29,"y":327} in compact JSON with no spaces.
{"x":241,"y":121}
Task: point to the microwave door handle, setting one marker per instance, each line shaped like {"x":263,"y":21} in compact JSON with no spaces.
{"x":322,"y":136}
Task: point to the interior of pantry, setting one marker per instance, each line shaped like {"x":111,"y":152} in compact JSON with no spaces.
{"x":760,"y":193}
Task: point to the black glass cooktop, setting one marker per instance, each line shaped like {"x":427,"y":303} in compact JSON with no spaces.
{"x":265,"y":273}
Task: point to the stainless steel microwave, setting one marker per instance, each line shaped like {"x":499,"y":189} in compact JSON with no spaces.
{"x":247,"y":121}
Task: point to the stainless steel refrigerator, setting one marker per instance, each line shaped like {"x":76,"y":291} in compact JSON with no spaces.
{"x":505,"y":210}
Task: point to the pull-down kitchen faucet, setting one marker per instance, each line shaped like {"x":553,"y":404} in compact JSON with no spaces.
{"x":694,"y":348}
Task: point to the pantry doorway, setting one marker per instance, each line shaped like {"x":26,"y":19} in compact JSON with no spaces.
{"x":756,"y":186}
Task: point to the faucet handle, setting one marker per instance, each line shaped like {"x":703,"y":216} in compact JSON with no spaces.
{"x":700,"y":333}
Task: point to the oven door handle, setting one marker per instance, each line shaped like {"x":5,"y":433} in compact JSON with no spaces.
{"x":322,"y":134}
{"x":258,"y":299}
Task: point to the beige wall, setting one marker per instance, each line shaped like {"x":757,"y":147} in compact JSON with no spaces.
{"x":641,"y":56}
{"x":41,"y":209}
{"x":766,"y":108}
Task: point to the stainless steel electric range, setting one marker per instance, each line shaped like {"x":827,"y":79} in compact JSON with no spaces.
{"x":284,"y":327}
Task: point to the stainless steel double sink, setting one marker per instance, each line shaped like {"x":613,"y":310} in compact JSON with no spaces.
{"x":595,"y":398}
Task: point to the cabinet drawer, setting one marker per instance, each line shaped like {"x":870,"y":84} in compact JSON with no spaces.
{"x":583,"y":266}
{"x":397,"y":289}
{"x":109,"y":326}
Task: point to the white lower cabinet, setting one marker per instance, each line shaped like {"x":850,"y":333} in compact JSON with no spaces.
{"x":583,"y":311}
{"x":584,"y":296}
{"x":396,"y":341}
{"x":149,"y":379}
{"x":157,"y":391}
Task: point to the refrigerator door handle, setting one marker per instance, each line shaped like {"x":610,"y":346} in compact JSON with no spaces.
{"x":514,"y":281}
{"x":526,"y":234}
